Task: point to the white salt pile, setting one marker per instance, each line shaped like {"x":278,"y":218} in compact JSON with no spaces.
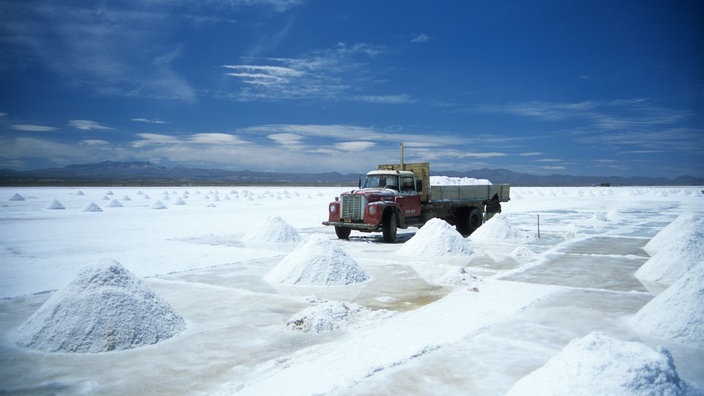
{"x":683,"y":224}
{"x":600,"y":365}
{"x":158,"y":205}
{"x":457,"y":181}
{"x":498,"y":228}
{"x":273,"y":230}
{"x":317,"y":262}
{"x":55,"y":204}
{"x":17,"y":197}
{"x":436,"y":238}
{"x":677,"y":314}
{"x":523,"y":254}
{"x":92,"y":208}
{"x":115,"y":204}
{"x":326,"y":316}
{"x":675,"y":250}
{"x":105,"y":308}
{"x":461,"y":276}
{"x":180,"y":201}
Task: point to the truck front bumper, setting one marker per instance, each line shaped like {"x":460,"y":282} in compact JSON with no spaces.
{"x":354,"y":226}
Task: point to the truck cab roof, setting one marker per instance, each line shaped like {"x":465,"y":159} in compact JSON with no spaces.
{"x":390,"y":173}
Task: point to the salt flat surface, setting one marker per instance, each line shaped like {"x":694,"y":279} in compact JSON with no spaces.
{"x":427,"y":324}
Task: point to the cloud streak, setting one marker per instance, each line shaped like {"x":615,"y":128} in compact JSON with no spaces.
{"x":329,"y":74}
{"x":88,"y":125}
{"x":628,"y":125}
{"x":110,"y":49}
{"x":148,"y":121}
{"x":33,"y":128}
{"x":614,"y":114}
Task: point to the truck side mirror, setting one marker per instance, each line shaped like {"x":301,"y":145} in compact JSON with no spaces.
{"x":419,"y":185}
{"x":359,"y":182}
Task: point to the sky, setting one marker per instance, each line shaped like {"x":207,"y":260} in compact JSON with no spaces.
{"x":580,"y":87}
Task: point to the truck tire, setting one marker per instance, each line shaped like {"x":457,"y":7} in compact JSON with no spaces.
{"x":468,"y":220}
{"x":343,"y":232}
{"x":389,"y":226}
{"x":475,"y":220}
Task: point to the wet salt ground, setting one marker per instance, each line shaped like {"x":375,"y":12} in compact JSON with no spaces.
{"x":593,"y":263}
{"x":235,"y":319}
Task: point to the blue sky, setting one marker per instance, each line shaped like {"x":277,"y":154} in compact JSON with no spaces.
{"x":579,"y":87}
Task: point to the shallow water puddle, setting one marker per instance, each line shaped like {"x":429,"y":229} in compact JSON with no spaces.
{"x":609,"y":245}
{"x":591,"y":272}
{"x":594,"y":263}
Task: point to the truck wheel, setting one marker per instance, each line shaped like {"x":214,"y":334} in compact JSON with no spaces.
{"x":389,"y":226}
{"x":468,"y":220}
{"x":475,"y":220}
{"x":343,"y":232}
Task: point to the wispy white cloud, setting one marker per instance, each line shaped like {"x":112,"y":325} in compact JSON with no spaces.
{"x":148,"y":139}
{"x":482,"y":155}
{"x":306,"y":147}
{"x":215,"y":138}
{"x":264,"y":75}
{"x":205,"y":138}
{"x":33,"y":128}
{"x":542,"y":110}
{"x":288,"y":140}
{"x":339,"y":73}
{"x":88,"y":125}
{"x":385,"y":99}
{"x":354,"y":146}
{"x":345,"y":132}
{"x":337,"y":131}
{"x":113,"y":49}
{"x":94,"y":142}
{"x":148,"y":121}
{"x":276,"y":5}
{"x":655,"y":139}
{"x":626,"y":125}
{"x":420,"y":38}
{"x":613,"y":114}
{"x":38,"y":150}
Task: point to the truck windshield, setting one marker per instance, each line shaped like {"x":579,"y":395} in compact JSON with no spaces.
{"x":381,"y":181}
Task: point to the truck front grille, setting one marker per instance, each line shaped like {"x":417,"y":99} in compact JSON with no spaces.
{"x":353,"y":206}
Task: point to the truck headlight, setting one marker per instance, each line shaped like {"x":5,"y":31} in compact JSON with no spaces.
{"x":333,"y":208}
{"x":372,"y":209}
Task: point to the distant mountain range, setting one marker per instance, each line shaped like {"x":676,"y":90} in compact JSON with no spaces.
{"x":146,"y":173}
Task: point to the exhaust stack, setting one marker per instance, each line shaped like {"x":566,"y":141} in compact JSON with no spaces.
{"x":402,"y":166}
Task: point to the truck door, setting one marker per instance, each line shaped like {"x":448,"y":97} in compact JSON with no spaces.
{"x":408,"y":198}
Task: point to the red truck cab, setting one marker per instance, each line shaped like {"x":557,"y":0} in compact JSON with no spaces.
{"x":386,"y":200}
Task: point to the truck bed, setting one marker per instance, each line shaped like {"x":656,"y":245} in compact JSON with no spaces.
{"x":469,"y":193}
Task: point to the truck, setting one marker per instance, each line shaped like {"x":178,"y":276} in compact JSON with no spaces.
{"x":400,"y":196}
